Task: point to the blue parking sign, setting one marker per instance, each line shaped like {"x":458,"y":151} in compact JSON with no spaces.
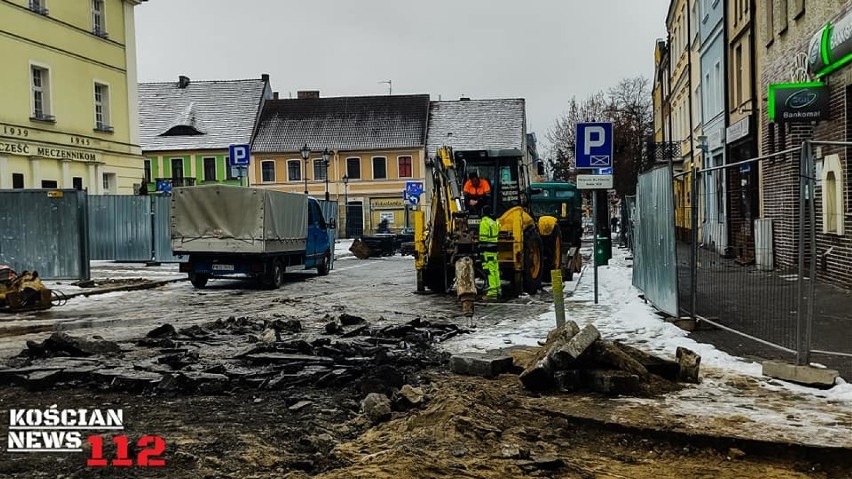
{"x":239,"y":155}
{"x":594,"y":145}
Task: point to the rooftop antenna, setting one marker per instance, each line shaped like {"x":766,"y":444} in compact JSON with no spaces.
{"x":390,"y":86}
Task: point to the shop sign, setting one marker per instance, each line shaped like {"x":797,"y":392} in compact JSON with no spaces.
{"x":798,"y":102}
{"x":27,"y":149}
{"x":387,"y":203}
{"x":737,"y":131}
{"x":831,"y":47}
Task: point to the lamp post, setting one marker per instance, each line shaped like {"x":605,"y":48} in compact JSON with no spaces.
{"x":346,"y":203}
{"x":306,"y":152}
{"x":326,"y":155}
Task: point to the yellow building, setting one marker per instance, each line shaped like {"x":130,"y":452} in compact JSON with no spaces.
{"x":69,"y":96}
{"x":187,"y":127}
{"x":375,"y":146}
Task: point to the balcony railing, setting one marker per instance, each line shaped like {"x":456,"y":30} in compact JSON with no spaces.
{"x":166,"y":184}
{"x":663,"y":151}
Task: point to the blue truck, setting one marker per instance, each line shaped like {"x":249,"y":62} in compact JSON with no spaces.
{"x":231,"y":232}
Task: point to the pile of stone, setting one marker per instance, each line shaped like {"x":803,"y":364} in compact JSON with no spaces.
{"x":237,"y":353}
{"x":574,"y":359}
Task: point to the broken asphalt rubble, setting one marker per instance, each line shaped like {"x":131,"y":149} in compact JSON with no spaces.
{"x":574,"y":359}
{"x":243,"y":353}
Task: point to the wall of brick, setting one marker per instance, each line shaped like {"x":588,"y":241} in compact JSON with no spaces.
{"x":780,"y":178}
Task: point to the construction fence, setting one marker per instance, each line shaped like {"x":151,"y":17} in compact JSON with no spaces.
{"x":744,"y":265}
{"x":58,"y":232}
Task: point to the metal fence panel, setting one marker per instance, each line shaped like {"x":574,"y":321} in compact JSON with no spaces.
{"x":45,"y":231}
{"x":161,"y":207}
{"x":120,"y":228}
{"x":329,"y":212}
{"x":654,"y":268}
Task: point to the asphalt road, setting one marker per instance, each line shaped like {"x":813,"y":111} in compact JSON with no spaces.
{"x":381,"y":290}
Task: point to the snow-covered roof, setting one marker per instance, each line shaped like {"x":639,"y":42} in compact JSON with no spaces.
{"x":343,"y":123}
{"x":496,"y":124}
{"x":201,"y":115}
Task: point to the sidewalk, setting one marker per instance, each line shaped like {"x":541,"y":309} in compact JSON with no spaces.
{"x":733,"y":398}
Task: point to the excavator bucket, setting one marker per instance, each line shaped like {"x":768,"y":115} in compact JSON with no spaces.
{"x":24,"y":292}
{"x":29,"y":300}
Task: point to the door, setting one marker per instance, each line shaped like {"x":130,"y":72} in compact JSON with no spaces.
{"x":354,"y":219}
{"x":317,"y":235}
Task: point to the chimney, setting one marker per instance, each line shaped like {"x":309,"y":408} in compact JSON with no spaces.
{"x":309,"y":94}
{"x":183,"y":81}
{"x":265,"y":77}
{"x":275,"y":95}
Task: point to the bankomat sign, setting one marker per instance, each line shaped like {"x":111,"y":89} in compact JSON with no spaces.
{"x":798,"y":102}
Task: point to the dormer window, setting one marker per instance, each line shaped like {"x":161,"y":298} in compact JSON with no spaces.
{"x":182,"y":130}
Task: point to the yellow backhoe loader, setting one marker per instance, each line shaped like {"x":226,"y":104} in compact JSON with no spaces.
{"x":447,"y":250}
{"x":25,"y":292}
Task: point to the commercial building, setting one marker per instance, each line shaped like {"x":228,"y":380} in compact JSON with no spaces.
{"x":68,"y":92}
{"x":187,"y":127}
{"x":374,"y":146}
{"x":806,"y":47}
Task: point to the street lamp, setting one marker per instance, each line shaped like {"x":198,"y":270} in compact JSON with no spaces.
{"x":306,"y":152}
{"x":346,"y":203}
{"x":325,"y":157}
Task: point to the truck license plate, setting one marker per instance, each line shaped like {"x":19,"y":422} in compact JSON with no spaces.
{"x":223,"y":267}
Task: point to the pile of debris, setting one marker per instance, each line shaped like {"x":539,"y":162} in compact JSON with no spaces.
{"x":238,"y":353}
{"x":579,"y":360}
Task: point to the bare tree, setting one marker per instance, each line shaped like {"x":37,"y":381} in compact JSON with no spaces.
{"x":628,"y":106}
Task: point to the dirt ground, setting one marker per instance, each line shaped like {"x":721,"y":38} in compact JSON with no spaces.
{"x":469,"y":427}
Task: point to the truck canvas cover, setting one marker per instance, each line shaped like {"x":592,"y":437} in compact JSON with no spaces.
{"x":233,"y":219}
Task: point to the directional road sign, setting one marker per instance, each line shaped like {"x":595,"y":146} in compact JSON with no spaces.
{"x":239,"y":155}
{"x":594,"y":145}
{"x":414,"y":188}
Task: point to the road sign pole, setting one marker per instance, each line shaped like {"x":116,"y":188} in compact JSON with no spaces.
{"x":595,"y":242}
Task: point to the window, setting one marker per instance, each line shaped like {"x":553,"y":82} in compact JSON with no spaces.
{"x":738,"y":72}
{"x":380,"y":168}
{"x":209,"y":169}
{"x":102,"y":108}
{"x":769,"y":20}
{"x":38,"y":6}
{"x":832,"y":195}
{"x":109,"y":183}
{"x":41,"y":93}
{"x":267,"y":171}
{"x":78,"y":183}
{"x":177,"y":168}
{"x":320,"y":170}
{"x":405,"y":167}
{"x":294,"y":170}
{"x":18,"y":181}
{"x":148,"y":171}
{"x":99,"y":18}
{"x":353,"y":168}
{"x":717,"y":88}
{"x":49,"y":184}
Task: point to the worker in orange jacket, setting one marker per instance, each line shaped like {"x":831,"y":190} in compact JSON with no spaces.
{"x":476,"y":192}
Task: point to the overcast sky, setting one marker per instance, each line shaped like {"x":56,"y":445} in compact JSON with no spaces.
{"x":542,"y":50}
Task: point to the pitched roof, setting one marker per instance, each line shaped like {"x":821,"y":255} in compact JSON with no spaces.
{"x":343,"y":123}
{"x":203,"y":115}
{"x":498,"y":124}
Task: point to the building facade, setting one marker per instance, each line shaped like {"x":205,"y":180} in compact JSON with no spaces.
{"x":374,"y":146}
{"x":741,"y":134}
{"x":69,"y":93}
{"x":713,"y":187}
{"x":806,"y":41}
{"x":187,"y":127}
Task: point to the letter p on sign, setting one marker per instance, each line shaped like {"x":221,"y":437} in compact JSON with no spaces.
{"x":239,"y":155}
{"x":595,"y":137}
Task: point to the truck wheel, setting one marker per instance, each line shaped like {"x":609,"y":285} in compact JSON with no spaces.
{"x":533,"y":265}
{"x":552,"y":254}
{"x":276,"y":275}
{"x":322,"y":269}
{"x":198,"y":280}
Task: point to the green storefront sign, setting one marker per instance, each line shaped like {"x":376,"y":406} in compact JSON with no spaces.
{"x":798,"y":102}
{"x":831,"y":47}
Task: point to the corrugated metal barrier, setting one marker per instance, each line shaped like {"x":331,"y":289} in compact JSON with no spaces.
{"x":329,"y":212}
{"x":45,"y":231}
{"x":655,"y":258}
{"x":120,"y":228}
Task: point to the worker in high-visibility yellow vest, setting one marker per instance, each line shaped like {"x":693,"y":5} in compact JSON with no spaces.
{"x":489,"y":229}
